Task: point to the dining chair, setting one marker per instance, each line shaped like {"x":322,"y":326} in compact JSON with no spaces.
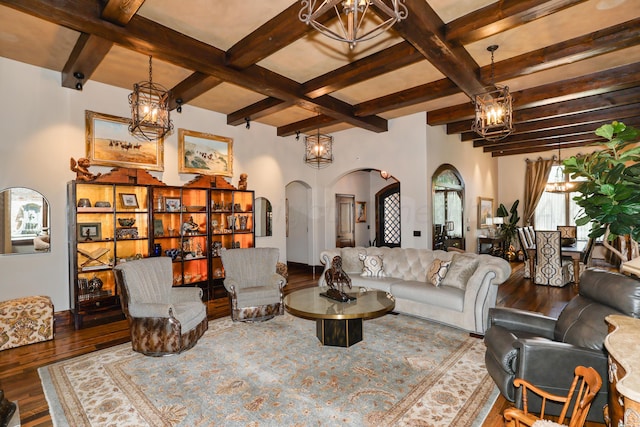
{"x":587,"y":382}
{"x":525,"y":246}
{"x":568,"y":234}
{"x":530,"y":233}
{"x":550,"y":267}
{"x":585,"y":260}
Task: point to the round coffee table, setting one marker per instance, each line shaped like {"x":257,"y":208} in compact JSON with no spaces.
{"x":338,"y":323}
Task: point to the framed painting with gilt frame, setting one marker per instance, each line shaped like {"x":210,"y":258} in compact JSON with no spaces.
{"x":204,"y":153}
{"x":109,"y":143}
{"x":485,"y":212}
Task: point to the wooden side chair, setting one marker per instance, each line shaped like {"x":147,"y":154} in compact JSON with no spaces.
{"x":585,"y":386}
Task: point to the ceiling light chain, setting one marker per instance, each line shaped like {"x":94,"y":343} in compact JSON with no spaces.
{"x":351,"y":14}
{"x":150,"y":110}
{"x":494,"y":109}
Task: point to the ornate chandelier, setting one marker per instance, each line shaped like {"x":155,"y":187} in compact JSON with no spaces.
{"x":494,"y":110}
{"x":354,"y":23}
{"x":150,"y":118}
{"x":318,"y":150}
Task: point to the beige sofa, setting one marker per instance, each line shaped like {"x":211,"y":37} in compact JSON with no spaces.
{"x":463,"y":298}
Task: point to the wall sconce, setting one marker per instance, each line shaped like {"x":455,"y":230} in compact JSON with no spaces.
{"x":385,"y":175}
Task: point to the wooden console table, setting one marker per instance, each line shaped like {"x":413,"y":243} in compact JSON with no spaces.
{"x":486,"y":244}
{"x":623,"y":346}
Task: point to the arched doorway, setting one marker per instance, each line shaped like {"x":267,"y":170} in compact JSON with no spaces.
{"x":448,"y":208}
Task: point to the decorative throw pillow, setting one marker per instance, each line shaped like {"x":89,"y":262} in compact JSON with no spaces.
{"x":437,"y":271}
{"x":461,"y":269}
{"x":372,"y":265}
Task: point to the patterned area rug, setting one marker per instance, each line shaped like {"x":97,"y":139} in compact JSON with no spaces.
{"x":406,"y":372}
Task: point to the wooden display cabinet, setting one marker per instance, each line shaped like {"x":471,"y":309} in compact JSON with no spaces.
{"x":108,"y":224}
{"x":180,"y":231}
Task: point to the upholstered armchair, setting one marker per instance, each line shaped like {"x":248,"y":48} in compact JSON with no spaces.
{"x":162,"y":319}
{"x":545,"y":351}
{"x":550,"y":268}
{"x":254,"y":287}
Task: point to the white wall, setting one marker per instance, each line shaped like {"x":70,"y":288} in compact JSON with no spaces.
{"x":43,"y":126}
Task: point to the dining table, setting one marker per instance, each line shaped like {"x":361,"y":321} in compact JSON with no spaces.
{"x":575,"y":252}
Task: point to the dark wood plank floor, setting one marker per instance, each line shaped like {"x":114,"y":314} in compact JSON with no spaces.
{"x":18,"y":367}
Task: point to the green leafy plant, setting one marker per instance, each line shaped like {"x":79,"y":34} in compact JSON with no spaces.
{"x":508,"y":229}
{"x":610,"y":194}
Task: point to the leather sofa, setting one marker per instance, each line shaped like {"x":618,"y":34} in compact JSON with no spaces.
{"x":463,"y":299}
{"x":545,"y":351}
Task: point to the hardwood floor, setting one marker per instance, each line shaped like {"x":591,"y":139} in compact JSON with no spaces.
{"x":18,"y":367}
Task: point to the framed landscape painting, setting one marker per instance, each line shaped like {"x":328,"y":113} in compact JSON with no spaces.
{"x":109,"y":143}
{"x":485,"y":211}
{"x":204,"y":153}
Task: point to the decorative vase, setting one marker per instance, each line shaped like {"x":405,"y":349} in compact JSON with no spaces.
{"x":157,"y":249}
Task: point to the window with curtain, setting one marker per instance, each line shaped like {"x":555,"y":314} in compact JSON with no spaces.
{"x":556,"y":206}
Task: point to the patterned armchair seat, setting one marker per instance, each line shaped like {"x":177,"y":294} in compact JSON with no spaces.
{"x":25,"y":321}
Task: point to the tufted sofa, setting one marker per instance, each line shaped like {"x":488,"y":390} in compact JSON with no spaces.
{"x":463,"y":298}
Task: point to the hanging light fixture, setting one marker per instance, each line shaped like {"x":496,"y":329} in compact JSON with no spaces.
{"x":354,"y":23}
{"x":150,"y":119}
{"x":493,"y":109}
{"x":318,"y":150}
{"x":560,"y":184}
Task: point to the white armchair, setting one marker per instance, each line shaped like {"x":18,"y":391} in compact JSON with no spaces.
{"x":162,"y":319}
{"x":255,"y":289}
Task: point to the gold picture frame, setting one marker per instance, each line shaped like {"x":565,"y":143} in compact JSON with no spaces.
{"x":204,"y":153}
{"x":361,"y":211}
{"x":485,"y":211}
{"x":109,"y":143}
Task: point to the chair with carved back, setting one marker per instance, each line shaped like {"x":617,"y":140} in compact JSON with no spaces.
{"x":586,"y":384}
{"x":526,"y":247}
{"x":550,"y":267}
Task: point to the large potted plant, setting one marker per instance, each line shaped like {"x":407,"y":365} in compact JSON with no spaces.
{"x":610,"y":193}
{"x":508,"y":228}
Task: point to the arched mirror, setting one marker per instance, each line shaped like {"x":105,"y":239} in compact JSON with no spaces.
{"x":264,"y":217}
{"x":24,"y":219}
{"x":448,"y":208}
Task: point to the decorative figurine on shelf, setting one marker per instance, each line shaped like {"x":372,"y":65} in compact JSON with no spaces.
{"x":81,"y":168}
{"x":190,"y":227}
{"x":242,"y":183}
{"x":243,"y":222}
{"x":336,"y":279}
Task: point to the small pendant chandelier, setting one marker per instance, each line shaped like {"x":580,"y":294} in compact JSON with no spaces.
{"x":150,"y":118}
{"x":353,"y":24}
{"x":494,"y":110}
{"x":318,"y":150}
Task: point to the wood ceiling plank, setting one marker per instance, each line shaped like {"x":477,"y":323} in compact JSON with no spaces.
{"x":424,"y":29}
{"x":306,"y":125}
{"x":549,"y":147}
{"x":501,"y":16}
{"x":384,"y":61}
{"x":121,"y":11}
{"x":277,"y":33}
{"x":150,"y":38}
{"x":87,"y":54}
{"x":590,"y":118}
{"x":262,"y":108}
{"x":192,"y":87}
{"x":578,"y":87}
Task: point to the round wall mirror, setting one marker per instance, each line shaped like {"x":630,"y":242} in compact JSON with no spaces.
{"x":264,"y":217}
{"x":24,"y":219}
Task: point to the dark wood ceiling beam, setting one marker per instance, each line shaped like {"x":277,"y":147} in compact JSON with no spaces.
{"x":578,"y":87}
{"x":564,"y":108}
{"x":87,"y":54}
{"x":424,"y":29}
{"x":121,"y":11}
{"x":548,"y":142}
{"x":262,"y":108}
{"x":306,"y":125}
{"x":89,"y":50}
{"x":538,"y":149}
{"x":597,"y":43}
{"x":149,"y":38}
{"x":501,"y":16}
{"x":192,"y":87}
{"x":277,"y":33}
{"x":406,"y":98}
{"x":582,"y":129}
{"x":590,"y":118}
{"x":384,"y":61}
